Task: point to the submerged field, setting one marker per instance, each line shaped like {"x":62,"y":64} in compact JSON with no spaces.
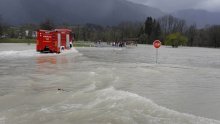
{"x":109,"y":85}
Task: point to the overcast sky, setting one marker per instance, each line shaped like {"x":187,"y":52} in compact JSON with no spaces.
{"x":173,"y":5}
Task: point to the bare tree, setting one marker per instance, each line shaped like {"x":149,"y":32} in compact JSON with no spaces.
{"x":170,"y":24}
{"x":47,"y":25}
{"x":214,"y":35}
{"x":1,"y":26}
{"x":191,"y":33}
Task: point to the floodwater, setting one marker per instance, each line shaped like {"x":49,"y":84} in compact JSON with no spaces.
{"x":109,"y":86}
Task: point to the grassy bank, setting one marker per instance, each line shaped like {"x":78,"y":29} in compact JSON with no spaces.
{"x":75,"y":44}
{"x":83,"y":44}
{"x":12,"y":40}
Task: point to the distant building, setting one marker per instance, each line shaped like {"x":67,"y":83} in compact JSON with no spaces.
{"x":131,"y":41}
{"x":34,"y":34}
{"x":4,"y":36}
{"x":27,"y":33}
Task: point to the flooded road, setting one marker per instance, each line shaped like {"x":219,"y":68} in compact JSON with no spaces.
{"x":109,"y":86}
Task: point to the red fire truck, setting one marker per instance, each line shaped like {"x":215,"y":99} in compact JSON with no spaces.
{"x":54,"y":41}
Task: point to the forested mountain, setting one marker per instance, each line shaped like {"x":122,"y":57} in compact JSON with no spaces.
{"x":104,"y":12}
{"x":199,"y":17}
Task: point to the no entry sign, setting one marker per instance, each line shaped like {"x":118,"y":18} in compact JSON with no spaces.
{"x":157,"y":44}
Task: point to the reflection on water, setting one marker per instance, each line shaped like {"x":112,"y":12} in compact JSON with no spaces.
{"x":52,"y":59}
{"x":46,"y":59}
{"x":52,"y":64}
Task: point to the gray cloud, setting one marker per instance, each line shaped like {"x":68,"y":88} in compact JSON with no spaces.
{"x":173,"y":5}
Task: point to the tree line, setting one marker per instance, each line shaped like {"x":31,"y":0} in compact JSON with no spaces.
{"x":170,"y":30}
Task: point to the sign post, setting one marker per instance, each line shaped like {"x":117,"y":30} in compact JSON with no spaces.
{"x":157,"y":45}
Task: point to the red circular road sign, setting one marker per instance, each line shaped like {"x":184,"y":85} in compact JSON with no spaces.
{"x":157,"y":44}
